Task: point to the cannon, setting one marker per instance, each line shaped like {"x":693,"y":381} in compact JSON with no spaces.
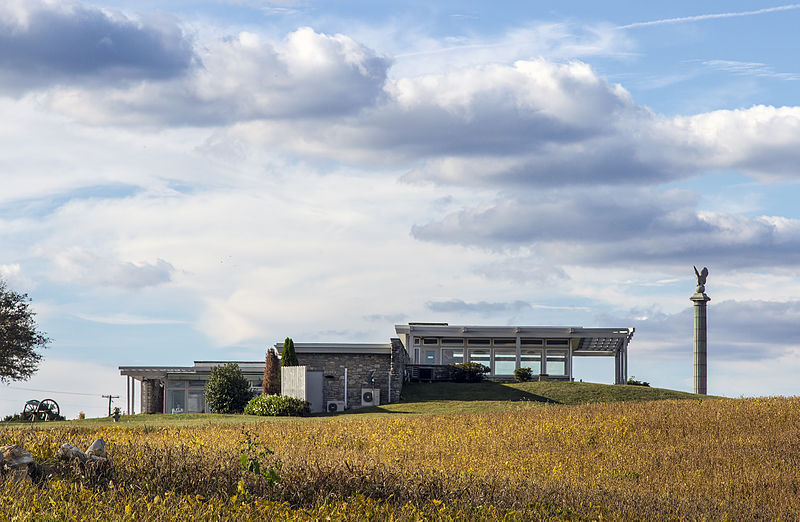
{"x":45,"y":410}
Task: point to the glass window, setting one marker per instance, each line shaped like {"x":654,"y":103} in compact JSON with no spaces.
{"x":429,"y":340}
{"x":202,"y":384}
{"x":557,"y":342}
{"x":478,"y":342}
{"x":505,"y":361}
{"x":452,"y":355}
{"x":176,"y":401}
{"x":430,"y":357}
{"x":532,"y":359}
{"x":416,"y":355}
{"x":531,"y":342}
{"x":453,"y":342}
{"x":416,"y":340}
{"x":195,"y":402}
{"x":505,"y":342}
{"x":480,"y":355}
{"x":556,"y":363}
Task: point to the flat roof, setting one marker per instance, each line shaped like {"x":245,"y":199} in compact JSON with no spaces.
{"x":570,"y":332}
{"x":351,"y":348}
{"x":591,"y":341}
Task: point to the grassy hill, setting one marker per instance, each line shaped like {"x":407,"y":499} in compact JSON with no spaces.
{"x":450,"y":397}
{"x":437,"y":398}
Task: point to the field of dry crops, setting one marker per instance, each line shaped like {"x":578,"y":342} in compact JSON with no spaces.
{"x":715,"y":458}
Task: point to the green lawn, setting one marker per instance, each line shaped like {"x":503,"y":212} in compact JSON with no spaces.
{"x":427,"y":399}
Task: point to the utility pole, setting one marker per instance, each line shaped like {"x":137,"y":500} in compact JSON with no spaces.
{"x":109,"y":397}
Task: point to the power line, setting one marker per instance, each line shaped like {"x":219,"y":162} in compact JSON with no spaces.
{"x":53,"y":391}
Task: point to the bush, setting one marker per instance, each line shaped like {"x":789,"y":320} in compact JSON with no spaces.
{"x":278,"y":406}
{"x":468,"y":372}
{"x":523,"y":374}
{"x":227,"y":390}
{"x":633,"y":382}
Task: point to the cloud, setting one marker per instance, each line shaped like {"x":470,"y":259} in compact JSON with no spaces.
{"x":737,"y":331}
{"x":46,"y":43}
{"x":308,"y":75}
{"x":82,"y":266}
{"x":482,"y":307}
{"x":620,"y":226}
{"x":713,"y":16}
{"x":127,"y":319}
{"x":749,"y":69}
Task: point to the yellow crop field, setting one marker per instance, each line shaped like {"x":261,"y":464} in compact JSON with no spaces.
{"x":715,"y":459}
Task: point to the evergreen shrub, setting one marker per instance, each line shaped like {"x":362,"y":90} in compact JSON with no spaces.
{"x":523,"y":374}
{"x":288,"y":355}
{"x":468,"y":371}
{"x":227,"y":390}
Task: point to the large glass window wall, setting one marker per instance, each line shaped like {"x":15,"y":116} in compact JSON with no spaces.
{"x":452,"y":355}
{"x":481,"y":356}
{"x":531,"y":359}
{"x":505,"y":361}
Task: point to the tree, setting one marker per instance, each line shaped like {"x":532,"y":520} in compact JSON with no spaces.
{"x":227,"y":390}
{"x":288,"y":356}
{"x":271,"y":385}
{"x":19,"y":337}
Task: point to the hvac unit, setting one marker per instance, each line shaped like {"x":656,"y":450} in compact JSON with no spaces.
{"x":335,"y":406}
{"x":370,"y":396}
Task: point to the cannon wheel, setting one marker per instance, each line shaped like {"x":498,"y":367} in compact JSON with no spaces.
{"x":29,"y":412}
{"x":48,"y":410}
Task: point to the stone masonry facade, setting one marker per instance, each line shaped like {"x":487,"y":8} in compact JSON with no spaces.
{"x":152,"y":396}
{"x":359,"y":369}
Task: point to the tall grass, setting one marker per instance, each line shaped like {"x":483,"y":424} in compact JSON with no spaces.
{"x":717,"y":458}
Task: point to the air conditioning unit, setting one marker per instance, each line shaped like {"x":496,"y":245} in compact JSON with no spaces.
{"x":335,"y":406}
{"x":370,"y":396}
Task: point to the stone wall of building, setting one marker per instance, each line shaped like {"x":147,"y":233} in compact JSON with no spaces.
{"x":399,"y":361}
{"x":363,"y":371}
{"x":152,"y":396}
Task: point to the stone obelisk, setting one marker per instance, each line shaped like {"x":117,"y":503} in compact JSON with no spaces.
{"x":700,"y":332}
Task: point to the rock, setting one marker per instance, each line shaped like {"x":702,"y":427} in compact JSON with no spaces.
{"x":69,"y":452}
{"x":15,"y":457}
{"x":97,"y":449}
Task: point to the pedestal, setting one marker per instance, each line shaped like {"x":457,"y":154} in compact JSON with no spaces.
{"x":700,"y":343}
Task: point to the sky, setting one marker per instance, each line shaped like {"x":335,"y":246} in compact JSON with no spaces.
{"x":196,"y":180}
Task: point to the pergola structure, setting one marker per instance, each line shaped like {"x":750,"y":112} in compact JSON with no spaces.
{"x":546,"y":350}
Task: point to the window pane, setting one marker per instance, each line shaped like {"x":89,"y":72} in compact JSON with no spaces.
{"x":452,"y":355}
{"x":505,"y":361}
{"x":532,"y":359}
{"x":195,"y":402}
{"x":557,"y":342}
{"x":454,"y":342}
{"x":176,"y":401}
{"x":430,"y":357}
{"x":556,"y":363}
{"x":531,"y":342}
{"x":478,"y":342}
{"x":505,"y":342}
{"x":480,"y":355}
{"x":431,"y":341}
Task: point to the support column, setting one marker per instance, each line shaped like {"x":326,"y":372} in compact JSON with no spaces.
{"x":700,"y":342}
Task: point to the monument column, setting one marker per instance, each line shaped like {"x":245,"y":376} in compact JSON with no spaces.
{"x":700,"y":333}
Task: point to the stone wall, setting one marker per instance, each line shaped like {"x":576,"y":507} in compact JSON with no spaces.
{"x":359,"y":369}
{"x":152,"y":396}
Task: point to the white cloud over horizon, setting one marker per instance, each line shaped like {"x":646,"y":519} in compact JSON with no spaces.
{"x":234,"y":184}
